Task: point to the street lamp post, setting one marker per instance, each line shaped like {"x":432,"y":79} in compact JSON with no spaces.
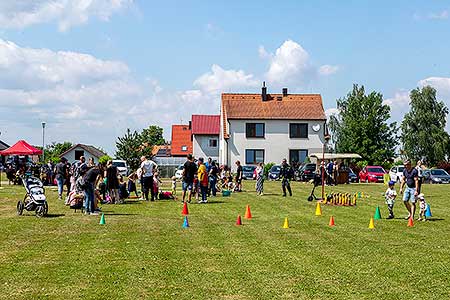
{"x":43,"y":142}
{"x":326,"y":138}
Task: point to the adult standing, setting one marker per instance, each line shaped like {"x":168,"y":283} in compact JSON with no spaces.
{"x":68,"y":176}
{"x":91,"y":178}
{"x":91,"y":162}
{"x":112,"y":182}
{"x":239,"y":173}
{"x":411,"y":179}
{"x":147,"y":167}
{"x":213,"y":174}
{"x":286,"y":176}
{"x":189,"y":171}
{"x":80,"y":168}
{"x":260,"y":179}
{"x":61,"y":172}
{"x":419,"y":175}
{"x":50,"y":173}
{"x":330,"y":169}
{"x":202,"y":180}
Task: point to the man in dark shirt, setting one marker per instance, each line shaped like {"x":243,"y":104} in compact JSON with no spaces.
{"x":411,"y":179}
{"x":61,"y":172}
{"x":90,"y":179}
{"x":189,"y":171}
{"x":239,"y":173}
{"x":286,"y":173}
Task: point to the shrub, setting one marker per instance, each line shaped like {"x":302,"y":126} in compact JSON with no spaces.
{"x":267,"y":168}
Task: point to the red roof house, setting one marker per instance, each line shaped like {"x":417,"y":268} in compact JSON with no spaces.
{"x":181,"y":140}
{"x":205,"y":136}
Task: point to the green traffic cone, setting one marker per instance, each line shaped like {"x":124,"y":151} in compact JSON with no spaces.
{"x":102,"y":220}
{"x":377,"y":215}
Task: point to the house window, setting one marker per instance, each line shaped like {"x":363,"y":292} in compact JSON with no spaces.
{"x":298,"y":130}
{"x":212,"y":143}
{"x":298,"y":156}
{"x":253,"y":156}
{"x":254,"y":130}
{"x":78,"y":154}
{"x":183,"y":148}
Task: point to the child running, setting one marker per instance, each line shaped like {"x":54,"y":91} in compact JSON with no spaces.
{"x":423,"y":207}
{"x":390,"y":198}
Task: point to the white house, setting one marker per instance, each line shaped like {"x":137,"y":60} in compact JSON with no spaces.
{"x":269,"y":127}
{"x":205,"y":136}
{"x":78,"y":150}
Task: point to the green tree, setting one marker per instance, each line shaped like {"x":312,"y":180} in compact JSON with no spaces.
{"x":423,"y":127}
{"x":153,"y":135}
{"x":104,"y":159}
{"x":129,"y":148}
{"x":54,"y":150}
{"x":361,"y":126}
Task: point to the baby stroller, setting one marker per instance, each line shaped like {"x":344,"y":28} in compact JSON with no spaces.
{"x":34,"y":199}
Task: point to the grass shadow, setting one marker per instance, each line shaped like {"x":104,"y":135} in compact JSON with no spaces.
{"x":54,"y":215}
{"x":435,"y":219}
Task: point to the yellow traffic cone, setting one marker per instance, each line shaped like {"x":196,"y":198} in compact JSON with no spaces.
{"x":318,"y":209}
{"x":286,"y":223}
{"x":371,"y":224}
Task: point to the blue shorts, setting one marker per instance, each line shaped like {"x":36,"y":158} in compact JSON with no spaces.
{"x":408,"y":195}
{"x":187,"y":185}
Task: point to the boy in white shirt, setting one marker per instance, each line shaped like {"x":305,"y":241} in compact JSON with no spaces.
{"x":390,"y":198}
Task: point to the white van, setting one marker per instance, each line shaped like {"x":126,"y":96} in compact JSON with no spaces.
{"x":121,"y":166}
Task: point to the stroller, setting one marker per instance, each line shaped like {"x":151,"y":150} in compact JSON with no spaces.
{"x":34,"y":199}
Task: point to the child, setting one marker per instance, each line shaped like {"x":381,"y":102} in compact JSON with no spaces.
{"x":422,"y":206}
{"x":132,"y":184}
{"x":156,"y":182}
{"x":174,"y":186}
{"x":390,"y":198}
{"x":123,"y":192}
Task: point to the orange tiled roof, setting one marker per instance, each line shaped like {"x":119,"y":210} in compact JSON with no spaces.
{"x":181,"y":136}
{"x":291,"y":107}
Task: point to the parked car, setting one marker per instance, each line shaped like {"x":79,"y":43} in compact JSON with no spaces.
{"x":274,"y":173}
{"x":372,"y":174}
{"x":352,"y":177}
{"x":396,"y":173}
{"x":248,"y":172}
{"x":307,"y":172}
{"x":121,"y":165}
{"x":436,"y":176}
{"x":179,"y":172}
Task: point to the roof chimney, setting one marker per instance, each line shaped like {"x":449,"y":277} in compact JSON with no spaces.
{"x":285,"y":92}
{"x":264,"y":92}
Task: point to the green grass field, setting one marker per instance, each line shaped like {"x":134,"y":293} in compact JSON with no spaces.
{"x":144,"y":253}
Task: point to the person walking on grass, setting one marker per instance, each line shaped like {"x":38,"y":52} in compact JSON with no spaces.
{"x":91,"y":179}
{"x":411,"y":179}
{"x":61,"y":172}
{"x":239,"y":173}
{"x":202,"y":176}
{"x":189,"y":171}
{"x":286,"y":174}
{"x":259,"y":179}
{"x":147,"y":167}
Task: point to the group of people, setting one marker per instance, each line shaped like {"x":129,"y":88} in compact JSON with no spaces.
{"x":410,"y":187}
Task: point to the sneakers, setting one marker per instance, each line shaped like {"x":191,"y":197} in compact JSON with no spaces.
{"x":95,"y":213}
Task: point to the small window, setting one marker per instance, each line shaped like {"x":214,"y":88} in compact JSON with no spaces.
{"x":183,"y":148}
{"x":298,"y":156}
{"x":213,"y":143}
{"x":254,"y":156}
{"x":254,"y":130}
{"x":298,"y":130}
{"x":78,"y":154}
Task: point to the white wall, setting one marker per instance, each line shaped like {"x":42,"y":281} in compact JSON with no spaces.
{"x":70,"y":156}
{"x":276,"y":142}
{"x":201,"y":147}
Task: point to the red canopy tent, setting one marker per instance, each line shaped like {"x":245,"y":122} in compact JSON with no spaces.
{"x":21,"y":148}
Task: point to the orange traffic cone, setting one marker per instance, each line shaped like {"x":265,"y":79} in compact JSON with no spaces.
{"x":410,"y":222}
{"x":185,"y":210}
{"x":248,"y":213}
{"x":238,"y":220}
{"x":331,"y":221}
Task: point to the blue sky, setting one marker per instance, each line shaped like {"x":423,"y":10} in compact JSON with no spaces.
{"x":92,"y":68}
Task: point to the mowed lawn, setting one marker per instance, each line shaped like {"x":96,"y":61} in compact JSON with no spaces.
{"x":144,"y":253}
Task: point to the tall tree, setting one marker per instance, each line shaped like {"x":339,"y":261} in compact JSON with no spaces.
{"x":361,"y":126}
{"x":423,"y":127}
{"x":153,"y":135}
{"x":54,"y":150}
{"x":129,"y":148}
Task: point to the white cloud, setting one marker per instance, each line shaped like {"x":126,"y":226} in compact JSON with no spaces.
{"x":399,"y":100}
{"x":332,"y":112}
{"x":442,"y":84}
{"x":326,"y":70}
{"x":263,"y":53}
{"x":442,"y":15}
{"x":220,"y":80}
{"x":66,"y":13}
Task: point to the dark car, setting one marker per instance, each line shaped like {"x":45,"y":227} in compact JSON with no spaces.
{"x":307,"y":172}
{"x":436,"y":176}
{"x":352,"y":177}
{"x":274,"y":173}
{"x":247,"y":172}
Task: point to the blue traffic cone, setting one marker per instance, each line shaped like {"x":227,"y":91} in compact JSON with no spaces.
{"x":185,"y":223}
{"x":428,"y":212}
